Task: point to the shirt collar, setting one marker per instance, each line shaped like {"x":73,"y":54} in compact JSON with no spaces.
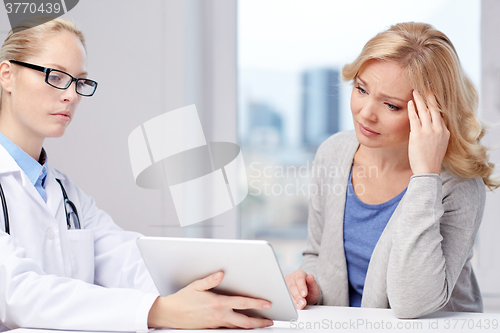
{"x":28,"y":164}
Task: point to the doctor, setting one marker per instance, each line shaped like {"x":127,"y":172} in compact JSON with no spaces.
{"x":64,"y":264}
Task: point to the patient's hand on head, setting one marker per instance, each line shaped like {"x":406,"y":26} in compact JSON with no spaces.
{"x":195,"y":307}
{"x":303,"y":288}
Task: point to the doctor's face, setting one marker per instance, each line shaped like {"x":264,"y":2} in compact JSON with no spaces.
{"x":38,"y":109}
{"x":379,"y":102}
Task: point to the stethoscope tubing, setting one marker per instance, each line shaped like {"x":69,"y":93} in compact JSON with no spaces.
{"x":5,"y":211}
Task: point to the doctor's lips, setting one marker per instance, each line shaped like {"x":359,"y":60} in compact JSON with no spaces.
{"x":367,"y":131}
{"x":63,"y":115}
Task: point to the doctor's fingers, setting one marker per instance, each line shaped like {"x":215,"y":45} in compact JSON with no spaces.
{"x":238,"y":320}
{"x":207,"y":283}
{"x":243,"y":303}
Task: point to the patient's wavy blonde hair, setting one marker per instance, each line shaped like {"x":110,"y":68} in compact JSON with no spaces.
{"x":430,"y":61}
{"x":27,"y":38}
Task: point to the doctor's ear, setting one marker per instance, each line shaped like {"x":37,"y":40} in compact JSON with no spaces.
{"x":6,"y":75}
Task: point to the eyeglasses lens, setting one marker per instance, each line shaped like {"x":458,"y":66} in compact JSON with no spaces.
{"x":62,"y":80}
{"x":59,"y":79}
{"x":85,"y":87}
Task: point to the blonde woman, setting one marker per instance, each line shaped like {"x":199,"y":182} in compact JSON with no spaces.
{"x":64,"y":264}
{"x":400,"y":234}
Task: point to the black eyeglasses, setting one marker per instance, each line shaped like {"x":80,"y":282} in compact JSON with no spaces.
{"x":62,"y":80}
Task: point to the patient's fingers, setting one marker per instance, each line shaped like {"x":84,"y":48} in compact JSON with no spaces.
{"x":297,"y":286}
{"x":313,"y":290}
{"x":292,"y":288}
{"x":301,"y":284}
{"x":294,"y":292}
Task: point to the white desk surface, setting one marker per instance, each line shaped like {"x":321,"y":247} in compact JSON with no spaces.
{"x":345,"y":319}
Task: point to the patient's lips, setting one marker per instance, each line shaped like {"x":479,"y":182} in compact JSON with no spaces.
{"x":367,"y":131}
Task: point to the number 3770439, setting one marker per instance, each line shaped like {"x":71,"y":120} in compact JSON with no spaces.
{"x":33,"y":8}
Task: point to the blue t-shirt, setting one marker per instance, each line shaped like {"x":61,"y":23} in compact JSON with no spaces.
{"x":363,"y":225}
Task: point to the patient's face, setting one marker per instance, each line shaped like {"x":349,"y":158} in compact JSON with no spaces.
{"x":379,"y":102}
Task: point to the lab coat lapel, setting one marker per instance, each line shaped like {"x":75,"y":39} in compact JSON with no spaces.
{"x":54,"y":193}
{"x":55,"y":206}
{"x":32,"y":218}
{"x":9,"y":165}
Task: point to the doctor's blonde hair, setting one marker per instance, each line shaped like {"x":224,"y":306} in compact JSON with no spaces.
{"x":27,"y":38}
{"x":430,"y":61}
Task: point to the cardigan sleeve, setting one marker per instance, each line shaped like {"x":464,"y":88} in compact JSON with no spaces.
{"x":432,"y":240}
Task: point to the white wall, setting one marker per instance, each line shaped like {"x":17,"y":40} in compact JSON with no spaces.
{"x":4,"y":25}
{"x":489,"y":245}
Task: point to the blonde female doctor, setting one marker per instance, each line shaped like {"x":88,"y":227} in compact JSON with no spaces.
{"x":64,"y":264}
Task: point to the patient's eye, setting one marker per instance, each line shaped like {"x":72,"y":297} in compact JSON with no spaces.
{"x":361,"y":90}
{"x":392,"y":107}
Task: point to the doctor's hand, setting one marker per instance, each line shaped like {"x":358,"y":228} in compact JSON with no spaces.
{"x":428,"y":135}
{"x":195,"y":307}
{"x":303,"y":288}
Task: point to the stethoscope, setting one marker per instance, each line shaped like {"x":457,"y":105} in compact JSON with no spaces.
{"x":67,"y":202}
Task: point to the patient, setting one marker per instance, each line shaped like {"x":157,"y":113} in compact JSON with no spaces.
{"x":401,"y":233}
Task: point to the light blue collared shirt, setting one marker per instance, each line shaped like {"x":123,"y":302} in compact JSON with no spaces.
{"x":37,"y":173}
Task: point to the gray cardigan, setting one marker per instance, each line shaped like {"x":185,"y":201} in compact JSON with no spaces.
{"x":421,"y":262}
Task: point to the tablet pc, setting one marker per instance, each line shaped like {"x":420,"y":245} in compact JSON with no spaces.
{"x":250,"y":269}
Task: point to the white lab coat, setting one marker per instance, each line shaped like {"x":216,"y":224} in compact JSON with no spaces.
{"x":52,"y":277}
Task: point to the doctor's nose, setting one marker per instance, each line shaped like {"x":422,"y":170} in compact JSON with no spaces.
{"x":69,"y":94}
